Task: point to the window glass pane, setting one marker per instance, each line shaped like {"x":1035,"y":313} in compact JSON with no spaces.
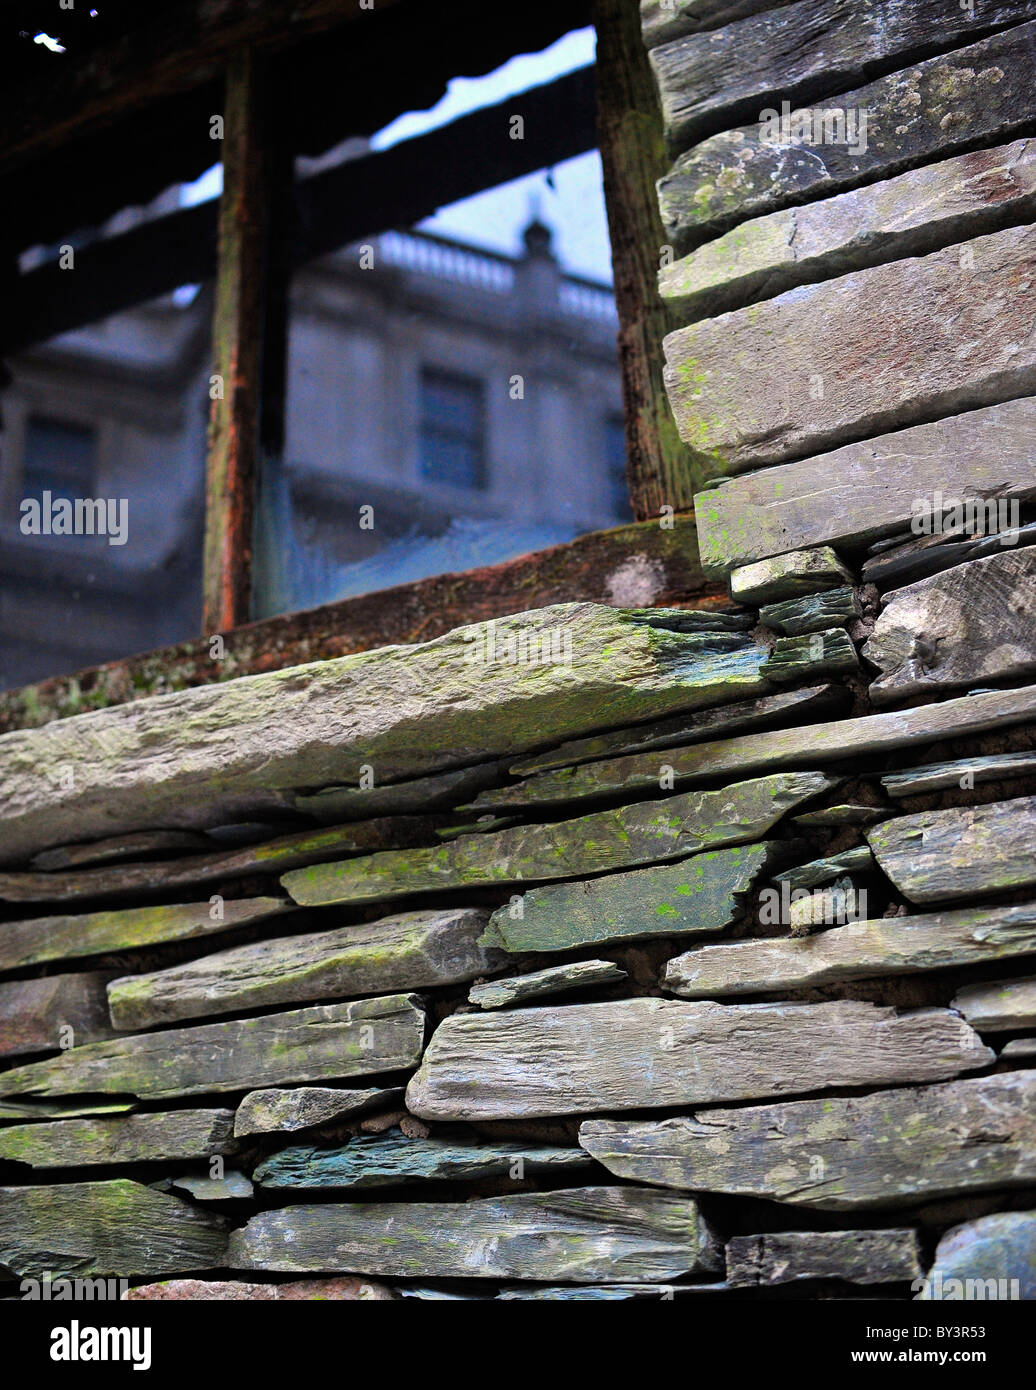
{"x":60,"y":458}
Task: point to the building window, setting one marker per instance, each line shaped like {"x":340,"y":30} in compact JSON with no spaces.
{"x":452,"y":429}
{"x":59,"y":457}
{"x":615,"y":462}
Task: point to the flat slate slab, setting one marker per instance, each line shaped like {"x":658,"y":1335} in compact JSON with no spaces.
{"x":857,"y":860}
{"x":643,"y":1053}
{"x":812,"y":613}
{"x":146,"y":845}
{"x":389,"y":1160}
{"x":844,"y":1153}
{"x":829,"y":652}
{"x":899,"y":217}
{"x":605,"y":1234}
{"x":702,"y":894}
{"x":279,"y":1111}
{"x":786,"y":706}
{"x":956,"y":353}
{"x":854,"y":1257}
{"x":999,"y":1005}
{"x":791,"y":575}
{"x":215,"y":753}
{"x":271,"y":856}
{"x":808,"y":746}
{"x":959,"y":772}
{"x":332,"y":805}
{"x":96,"y":933}
{"x":649,"y":832}
{"x":151,"y":1138}
{"x":556,"y":979}
{"x":934,"y":856}
{"x":323,"y":1043}
{"x":407,"y":951}
{"x":340,"y":1289}
{"x":993,"y":1257}
{"x":110,"y":1229}
{"x":707,"y":81}
{"x":36,"y":1014}
{"x":868,"y":488}
{"x":861,"y":950}
{"x":977,"y":95}
{"x":970,"y":624}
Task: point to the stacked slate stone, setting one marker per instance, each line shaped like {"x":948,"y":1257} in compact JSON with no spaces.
{"x":452,"y":970}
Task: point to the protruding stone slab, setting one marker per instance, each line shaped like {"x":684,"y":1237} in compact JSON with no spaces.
{"x":232,"y":1187}
{"x":152,"y":1138}
{"x":955,"y":354}
{"x":788,"y":576}
{"x":882,"y":946}
{"x":96,"y":933}
{"x":236,"y":1290}
{"x":111,"y":1229}
{"x":744,"y":716}
{"x":934,"y":856}
{"x":813,"y":744}
{"x":606,"y":1234}
{"x":490,"y":690}
{"x":557,"y":979}
{"x":650,"y":832}
{"x":270,"y":856}
{"x":858,"y":860}
{"x":960,"y":772}
{"x":844,"y":1153}
{"x":899,"y":217}
{"x":148,"y":844}
{"x":812,"y":613}
{"x":973,"y":623}
{"x":991,"y":1258}
{"x":829,"y":653}
{"x":999,"y":1005}
{"x":1018,"y":1050}
{"x":868,"y":489}
{"x":643,"y":1053}
{"x":278,"y":1111}
{"x":34,"y":1014}
{"x":854,"y":1257}
{"x":332,"y":805}
{"x":329,"y":1042}
{"x":408,"y":951}
{"x":702,"y":894}
{"x":977,"y":95}
{"x":708,"y":81}
{"x":393,"y":1159}
{"x":662,"y":20}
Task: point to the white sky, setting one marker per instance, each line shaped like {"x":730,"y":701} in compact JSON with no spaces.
{"x":574,"y":207}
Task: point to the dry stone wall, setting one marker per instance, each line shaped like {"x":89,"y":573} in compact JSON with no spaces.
{"x":613,"y":953}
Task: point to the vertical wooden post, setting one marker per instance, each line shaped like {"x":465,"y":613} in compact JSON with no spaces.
{"x":238,"y":322}
{"x":629,"y":124}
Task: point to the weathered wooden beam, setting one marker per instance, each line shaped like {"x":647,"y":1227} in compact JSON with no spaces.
{"x":390,"y":188}
{"x":609,"y":1234}
{"x":647,"y":1053}
{"x":629,"y":126}
{"x":237,"y":349}
{"x":842,"y":1153}
{"x":639,"y":564}
{"x":467,"y":697}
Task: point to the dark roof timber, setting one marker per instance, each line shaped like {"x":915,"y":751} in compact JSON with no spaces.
{"x":118,"y":117}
